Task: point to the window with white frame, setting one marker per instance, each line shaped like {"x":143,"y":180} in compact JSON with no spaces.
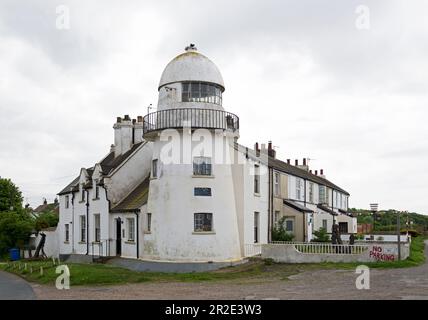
{"x":82,"y":228}
{"x":276,"y":183}
{"x":97,"y":190}
{"x":131,"y":229}
{"x":324,"y":224}
{"x":67,"y":202}
{"x":289,"y":225}
{"x":97,"y":227}
{"x":256,"y":227}
{"x":311,"y":192}
{"x":149,"y":222}
{"x":203,"y":222}
{"x":322,"y":194}
{"x":155,"y":168}
{"x":256,"y":178}
{"x":298,"y":189}
{"x":202,"y":166}
{"x":67,"y":232}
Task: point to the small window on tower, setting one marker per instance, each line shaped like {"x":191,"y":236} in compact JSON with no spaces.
{"x":185,"y":92}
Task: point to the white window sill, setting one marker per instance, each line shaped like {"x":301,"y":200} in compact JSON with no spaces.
{"x":153,"y":178}
{"x":66,"y":242}
{"x":82,"y":242}
{"x":203,"y":176}
{"x":130,"y":242}
{"x":203,"y":232}
{"x":257,"y":194}
{"x":147,"y":232}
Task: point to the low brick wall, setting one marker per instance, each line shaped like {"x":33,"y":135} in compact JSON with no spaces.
{"x":370,"y":252}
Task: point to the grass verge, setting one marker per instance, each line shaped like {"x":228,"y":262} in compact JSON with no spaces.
{"x":255,"y":270}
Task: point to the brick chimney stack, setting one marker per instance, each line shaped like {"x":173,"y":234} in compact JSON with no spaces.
{"x":271,"y":151}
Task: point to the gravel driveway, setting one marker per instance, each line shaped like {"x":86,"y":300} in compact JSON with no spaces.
{"x":406,"y":283}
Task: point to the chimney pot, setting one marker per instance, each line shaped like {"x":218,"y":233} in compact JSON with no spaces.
{"x":296,"y":162}
{"x":127,"y":118}
{"x":304,"y":161}
{"x":316,"y":172}
{"x":310,"y":171}
{"x":118,"y":119}
{"x":140,"y":119}
{"x":288,"y":161}
{"x":322,"y":172}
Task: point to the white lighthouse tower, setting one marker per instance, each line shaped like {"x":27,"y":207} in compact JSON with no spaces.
{"x":191,"y":204}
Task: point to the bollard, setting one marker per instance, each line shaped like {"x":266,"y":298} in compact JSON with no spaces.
{"x":31,"y":269}
{"x":41,"y":271}
{"x":25,"y":267}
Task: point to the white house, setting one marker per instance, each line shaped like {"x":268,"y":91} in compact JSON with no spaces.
{"x":176,"y":185}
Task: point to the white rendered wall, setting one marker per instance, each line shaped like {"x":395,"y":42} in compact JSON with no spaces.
{"x":173,"y":204}
{"x":130,"y":174}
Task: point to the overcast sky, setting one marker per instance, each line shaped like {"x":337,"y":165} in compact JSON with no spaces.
{"x":299,"y":73}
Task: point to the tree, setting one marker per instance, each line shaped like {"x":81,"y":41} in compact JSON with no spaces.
{"x":279,"y":233}
{"x":10,"y":196}
{"x":15,"y":230}
{"x":46,"y":220}
{"x":321,"y":235}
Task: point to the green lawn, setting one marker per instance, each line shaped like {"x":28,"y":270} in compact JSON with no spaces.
{"x":255,"y":270}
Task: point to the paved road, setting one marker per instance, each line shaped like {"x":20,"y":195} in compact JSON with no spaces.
{"x":14,"y":288}
{"x":406,"y":283}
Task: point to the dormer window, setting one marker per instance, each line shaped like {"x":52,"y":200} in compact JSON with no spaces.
{"x":201,"y":92}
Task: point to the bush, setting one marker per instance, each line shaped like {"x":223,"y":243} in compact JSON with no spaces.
{"x":321,"y":235}
{"x":279,"y":233}
{"x":359,"y":236}
{"x":15,"y":230}
{"x":46,"y":220}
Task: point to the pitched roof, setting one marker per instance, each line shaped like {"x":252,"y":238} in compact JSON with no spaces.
{"x":47,"y":207}
{"x":295,"y":171}
{"x":137,"y":198}
{"x":292,"y":170}
{"x":70,"y":186}
{"x":328,"y":210}
{"x":108,"y":164}
{"x":297,"y":206}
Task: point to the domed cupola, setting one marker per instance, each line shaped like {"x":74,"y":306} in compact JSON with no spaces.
{"x":191,"y":80}
{"x":191,"y":66}
{"x":190,"y":94}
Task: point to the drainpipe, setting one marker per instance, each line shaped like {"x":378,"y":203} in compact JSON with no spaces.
{"x":72,"y":222}
{"x":270,"y":209}
{"x":137,"y":214}
{"x":304,"y":213}
{"x":332,"y":206}
{"x":87,"y":222}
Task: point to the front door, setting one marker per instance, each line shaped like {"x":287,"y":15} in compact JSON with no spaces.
{"x":118,"y":237}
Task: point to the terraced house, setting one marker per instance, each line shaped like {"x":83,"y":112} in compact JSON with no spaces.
{"x":177,"y":186}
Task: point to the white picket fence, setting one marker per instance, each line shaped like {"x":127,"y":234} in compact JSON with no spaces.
{"x":253,"y":249}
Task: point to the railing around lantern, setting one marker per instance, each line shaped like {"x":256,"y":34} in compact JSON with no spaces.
{"x":190,"y":117}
